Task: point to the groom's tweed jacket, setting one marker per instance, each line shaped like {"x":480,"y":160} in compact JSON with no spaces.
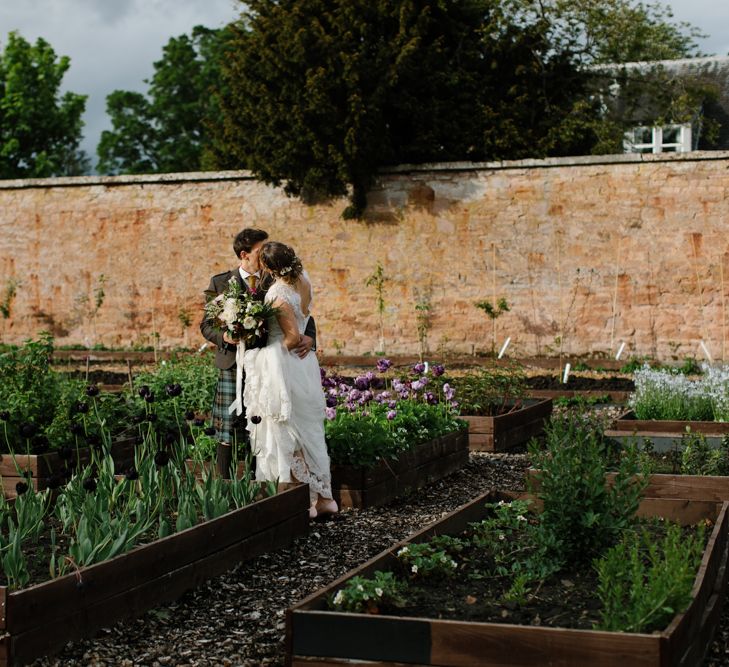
{"x":225,"y":354}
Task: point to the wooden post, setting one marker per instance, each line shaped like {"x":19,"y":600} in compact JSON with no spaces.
{"x":723,"y":310}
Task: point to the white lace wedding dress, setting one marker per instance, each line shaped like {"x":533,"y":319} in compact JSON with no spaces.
{"x":285,"y":392}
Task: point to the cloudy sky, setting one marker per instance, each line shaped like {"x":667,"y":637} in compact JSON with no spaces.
{"x":113,"y":43}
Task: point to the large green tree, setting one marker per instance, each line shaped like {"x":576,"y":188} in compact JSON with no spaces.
{"x":322,"y":93}
{"x":40,"y":129}
{"x":167,"y":129}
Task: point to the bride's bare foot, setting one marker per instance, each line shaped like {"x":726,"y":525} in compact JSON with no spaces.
{"x":326,"y":506}
{"x":313,"y":512}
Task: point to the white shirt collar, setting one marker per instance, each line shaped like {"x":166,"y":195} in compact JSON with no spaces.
{"x":244,"y":274}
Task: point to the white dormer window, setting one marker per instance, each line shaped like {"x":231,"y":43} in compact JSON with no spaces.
{"x":658,"y":139}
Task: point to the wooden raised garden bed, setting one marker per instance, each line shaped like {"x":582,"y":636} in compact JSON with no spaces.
{"x":712,"y":488}
{"x":627,"y":424}
{"x":315,"y":636}
{"x":39,"y":620}
{"x":43,"y":466}
{"x":501,"y":433}
{"x":355,"y":486}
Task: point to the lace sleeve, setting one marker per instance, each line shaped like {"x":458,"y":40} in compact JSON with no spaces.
{"x":284,"y":293}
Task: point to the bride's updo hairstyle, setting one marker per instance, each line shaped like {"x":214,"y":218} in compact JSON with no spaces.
{"x":281,"y":260}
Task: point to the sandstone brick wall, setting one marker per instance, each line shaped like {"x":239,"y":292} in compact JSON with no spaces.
{"x":588,"y":252}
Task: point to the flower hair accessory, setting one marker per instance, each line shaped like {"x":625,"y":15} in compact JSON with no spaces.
{"x":285,"y":270}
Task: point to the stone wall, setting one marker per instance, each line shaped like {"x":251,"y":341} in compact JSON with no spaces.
{"x":588,"y":252}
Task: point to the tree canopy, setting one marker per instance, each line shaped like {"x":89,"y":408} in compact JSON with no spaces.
{"x":40,"y":129}
{"x":167,"y":129}
{"x":322,"y":93}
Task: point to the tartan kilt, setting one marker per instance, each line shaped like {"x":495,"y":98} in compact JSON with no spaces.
{"x":229,"y":428}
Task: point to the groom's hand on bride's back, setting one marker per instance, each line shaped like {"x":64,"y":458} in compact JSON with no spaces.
{"x":304,"y":346}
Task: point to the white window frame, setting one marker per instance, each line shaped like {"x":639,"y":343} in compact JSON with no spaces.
{"x":656,"y":145}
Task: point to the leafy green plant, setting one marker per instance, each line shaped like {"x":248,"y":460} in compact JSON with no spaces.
{"x":643,"y":582}
{"x":493,"y":312}
{"x":698,"y":457}
{"x":425,"y":559}
{"x":362,"y":594}
{"x":581,"y":514}
{"x":11,"y":290}
{"x":377,"y":281}
{"x":423,"y":308}
{"x":491,"y":391}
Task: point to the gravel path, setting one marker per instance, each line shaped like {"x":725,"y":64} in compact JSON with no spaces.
{"x":238,"y":618}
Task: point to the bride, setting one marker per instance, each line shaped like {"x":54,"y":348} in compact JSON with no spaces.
{"x":283,"y":397}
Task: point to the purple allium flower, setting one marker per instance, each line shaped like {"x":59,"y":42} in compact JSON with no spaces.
{"x":391,"y":415}
{"x":21,"y":488}
{"x":210,"y":430}
{"x":331,"y":402}
{"x":417,"y":385}
{"x":173,"y":390}
{"x":198,"y":422}
{"x":4,"y":415}
{"x":392,"y":404}
{"x":404,"y":393}
{"x":448,"y":391}
{"x":255,"y":419}
{"x":149,"y":397}
{"x":383,"y":365}
{"x":350,"y":406}
{"x":454,"y":404}
{"x":431,"y":398}
{"x":370,"y":376}
{"x":419,"y":368}
{"x":438,"y":370}
{"x":330,"y":413}
{"x":322,"y":373}
{"x":189,"y":415}
{"x":144,"y":391}
{"x":81,"y":407}
{"x":92,"y":390}
{"x":27,"y":429}
{"x":397,"y":385}
{"x":354,"y":395}
{"x":367,"y":395}
{"x":361,"y":383}
{"x":131,"y":474}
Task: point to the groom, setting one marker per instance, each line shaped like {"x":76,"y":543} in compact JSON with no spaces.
{"x":247,"y":246}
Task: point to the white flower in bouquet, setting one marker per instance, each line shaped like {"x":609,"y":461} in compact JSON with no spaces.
{"x":249,"y":322}
{"x":230,"y":311}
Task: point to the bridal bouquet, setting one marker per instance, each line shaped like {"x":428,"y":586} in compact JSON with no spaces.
{"x":237,"y":313}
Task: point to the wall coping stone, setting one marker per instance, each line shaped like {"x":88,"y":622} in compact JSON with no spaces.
{"x":244,"y":175}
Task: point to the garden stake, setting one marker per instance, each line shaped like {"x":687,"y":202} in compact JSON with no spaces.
{"x":699,"y":284}
{"x":566,"y":375}
{"x":615,"y":296}
{"x":723,"y":310}
{"x":504,"y":346}
{"x":620,"y":351}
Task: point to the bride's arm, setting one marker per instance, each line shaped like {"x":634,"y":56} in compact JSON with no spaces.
{"x":287,"y":322}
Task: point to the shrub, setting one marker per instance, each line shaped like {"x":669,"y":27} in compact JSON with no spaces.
{"x":582,"y":515}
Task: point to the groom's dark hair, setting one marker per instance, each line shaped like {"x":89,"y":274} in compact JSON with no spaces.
{"x":246,"y":239}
